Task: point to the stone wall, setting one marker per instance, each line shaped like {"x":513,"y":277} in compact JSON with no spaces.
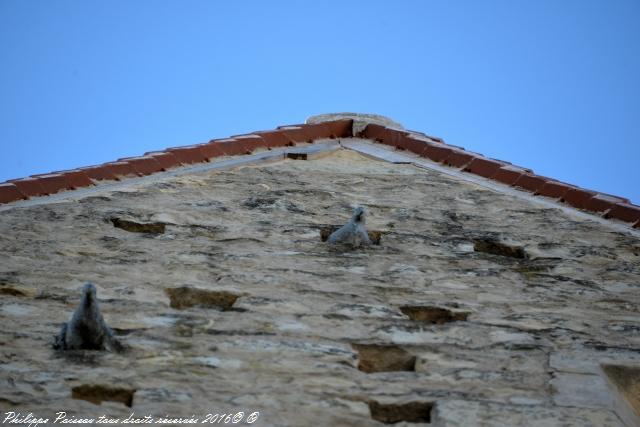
{"x":477,"y":308}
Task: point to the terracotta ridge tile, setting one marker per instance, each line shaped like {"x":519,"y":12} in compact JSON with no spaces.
{"x":484,"y":167}
{"x":53,"y":182}
{"x":602,"y":203}
{"x":121,"y":169}
{"x":77,"y":178}
{"x":624,"y":212}
{"x":554,"y":189}
{"x":233,"y":146}
{"x":459,"y":158}
{"x":577,"y":197}
{"x":188,"y":154}
{"x":143,"y":165}
{"x":29,"y":186}
{"x":342,"y":128}
{"x":165,"y":159}
{"x":10,"y":193}
{"x":509,"y":174}
{"x":275,"y":138}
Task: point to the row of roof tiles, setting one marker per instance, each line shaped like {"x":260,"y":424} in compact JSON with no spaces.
{"x":423,"y":145}
{"x":606,"y":205}
{"x":159,"y":161}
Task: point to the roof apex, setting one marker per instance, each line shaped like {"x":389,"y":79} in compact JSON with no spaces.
{"x":360,"y":120}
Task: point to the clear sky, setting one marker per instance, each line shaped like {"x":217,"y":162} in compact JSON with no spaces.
{"x":553,"y":85}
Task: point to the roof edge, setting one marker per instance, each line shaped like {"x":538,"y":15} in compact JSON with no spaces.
{"x":360,"y":120}
{"x":340,"y":125}
{"x":602,"y":204}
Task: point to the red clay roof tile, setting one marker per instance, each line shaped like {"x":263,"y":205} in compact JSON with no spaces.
{"x":77,"y":178}
{"x":10,"y":193}
{"x":484,"y":167}
{"x":165,"y":159}
{"x":234,"y":147}
{"x":437,"y":153}
{"x":530,"y":182}
{"x":29,"y":186}
{"x":384,"y":135}
{"x":601,"y":202}
{"x":251,"y":141}
{"x":143,"y":165}
{"x":508,"y":174}
{"x":340,"y":128}
{"x":53,"y":182}
{"x":624,"y":212}
{"x":554,"y":189}
{"x":212,"y":150}
{"x":275,"y":138}
{"x":577,"y":197}
{"x":316,"y":131}
{"x":188,"y":155}
{"x":296,"y":133}
{"x":458,"y":158}
{"x":120,"y":169}
{"x":412,"y":144}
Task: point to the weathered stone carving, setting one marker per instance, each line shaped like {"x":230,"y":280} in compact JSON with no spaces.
{"x":353,"y":233}
{"x":87,"y":329}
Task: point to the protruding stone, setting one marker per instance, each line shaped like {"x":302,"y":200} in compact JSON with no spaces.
{"x":139,"y":227}
{"x":495,"y":247}
{"x":410,"y":412}
{"x":87,"y":329}
{"x":360,"y":121}
{"x":98,"y":393}
{"x":186,"y":296}
{"x":353,"y":233}
{"x":432,"y":315}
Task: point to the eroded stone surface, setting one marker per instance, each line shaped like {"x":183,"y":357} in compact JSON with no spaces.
{"x":538,"y":325}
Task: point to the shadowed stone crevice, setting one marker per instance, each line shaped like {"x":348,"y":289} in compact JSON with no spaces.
{"x":8,"y":277}
{"x":14,"y":292}
{"x":626,"y":380}
{"x":297,"y":156}
{"x":410,"y":412}
{"x":336,"y":316}
{"x":238,"y":332}
{"x":186,"y":296}
{"x":384,"y":358}
{"x":529,"y":268}
{"x":138,"y":227}
{"x":495,"y":247}
{"x":126,"y":331}
{"x":432,"y":315}
{"x":98,"y":393}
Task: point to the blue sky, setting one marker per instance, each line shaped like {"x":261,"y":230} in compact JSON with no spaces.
{"x":551,"y":85}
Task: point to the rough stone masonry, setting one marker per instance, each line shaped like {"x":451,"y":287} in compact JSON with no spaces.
{"x":477,"y":308}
